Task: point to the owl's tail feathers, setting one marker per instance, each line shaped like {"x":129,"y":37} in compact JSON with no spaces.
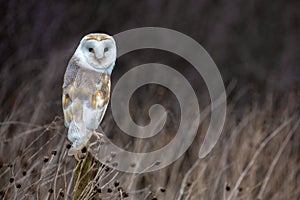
{"x":78,"y":135}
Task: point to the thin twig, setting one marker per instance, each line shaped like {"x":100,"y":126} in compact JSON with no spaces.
{"x":250,"y":164}
{"x":275,"y":160}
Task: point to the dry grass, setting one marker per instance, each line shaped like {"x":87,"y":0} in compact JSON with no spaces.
{"x":257,"y":156}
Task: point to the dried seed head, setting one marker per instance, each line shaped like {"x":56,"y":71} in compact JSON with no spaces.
{"x":61,"y":193}
{"x":132,"y":165}
{"x":46,"y":159}
{"x":227,"y":188}
{"x":54,"y":152}
{"x":84,"y":150}
{"x":117,"y":183}
{"x":68,"y":146}
{"x":157,"y":163}
{"x":11,"y":180}
{"x":125,"y":194}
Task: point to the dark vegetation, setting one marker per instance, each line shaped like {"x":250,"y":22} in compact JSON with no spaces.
{"x":255,"y":44}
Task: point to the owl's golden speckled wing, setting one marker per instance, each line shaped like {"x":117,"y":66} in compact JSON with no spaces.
{"x":94,"y":94}
{"x":68,"y":87}
{"x":85,"y":96}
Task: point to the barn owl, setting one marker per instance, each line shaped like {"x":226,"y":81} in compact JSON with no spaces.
{"x":86,"y":88}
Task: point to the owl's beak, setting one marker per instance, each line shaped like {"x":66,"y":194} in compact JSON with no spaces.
{"x":99,"y":54}
{"x":99,"y":51}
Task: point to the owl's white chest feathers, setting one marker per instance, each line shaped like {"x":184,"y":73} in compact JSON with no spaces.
{"x":90,"y":90}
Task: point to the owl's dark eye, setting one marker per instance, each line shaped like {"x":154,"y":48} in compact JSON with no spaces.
{"x":105,"y":49}
{"x":91,"y":50}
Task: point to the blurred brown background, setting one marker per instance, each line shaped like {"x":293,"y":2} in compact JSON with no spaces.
{"x":255,"y":45}
{"x":251,"y":41}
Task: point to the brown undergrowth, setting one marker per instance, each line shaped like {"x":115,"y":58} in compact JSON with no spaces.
{"x":257,"y":157}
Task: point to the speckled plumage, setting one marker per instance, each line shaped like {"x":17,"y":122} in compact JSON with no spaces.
{"x":86,"y":88}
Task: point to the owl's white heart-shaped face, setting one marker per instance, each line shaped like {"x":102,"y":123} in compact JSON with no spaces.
{"x":96,"y":52}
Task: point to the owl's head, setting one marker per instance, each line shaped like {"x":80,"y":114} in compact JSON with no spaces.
{"x":96,"y":51}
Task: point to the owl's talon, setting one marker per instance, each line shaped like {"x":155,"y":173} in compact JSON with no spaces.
{"x":98,"y":135}
{"x":78,"y":154}
{"x":75,"y":153}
